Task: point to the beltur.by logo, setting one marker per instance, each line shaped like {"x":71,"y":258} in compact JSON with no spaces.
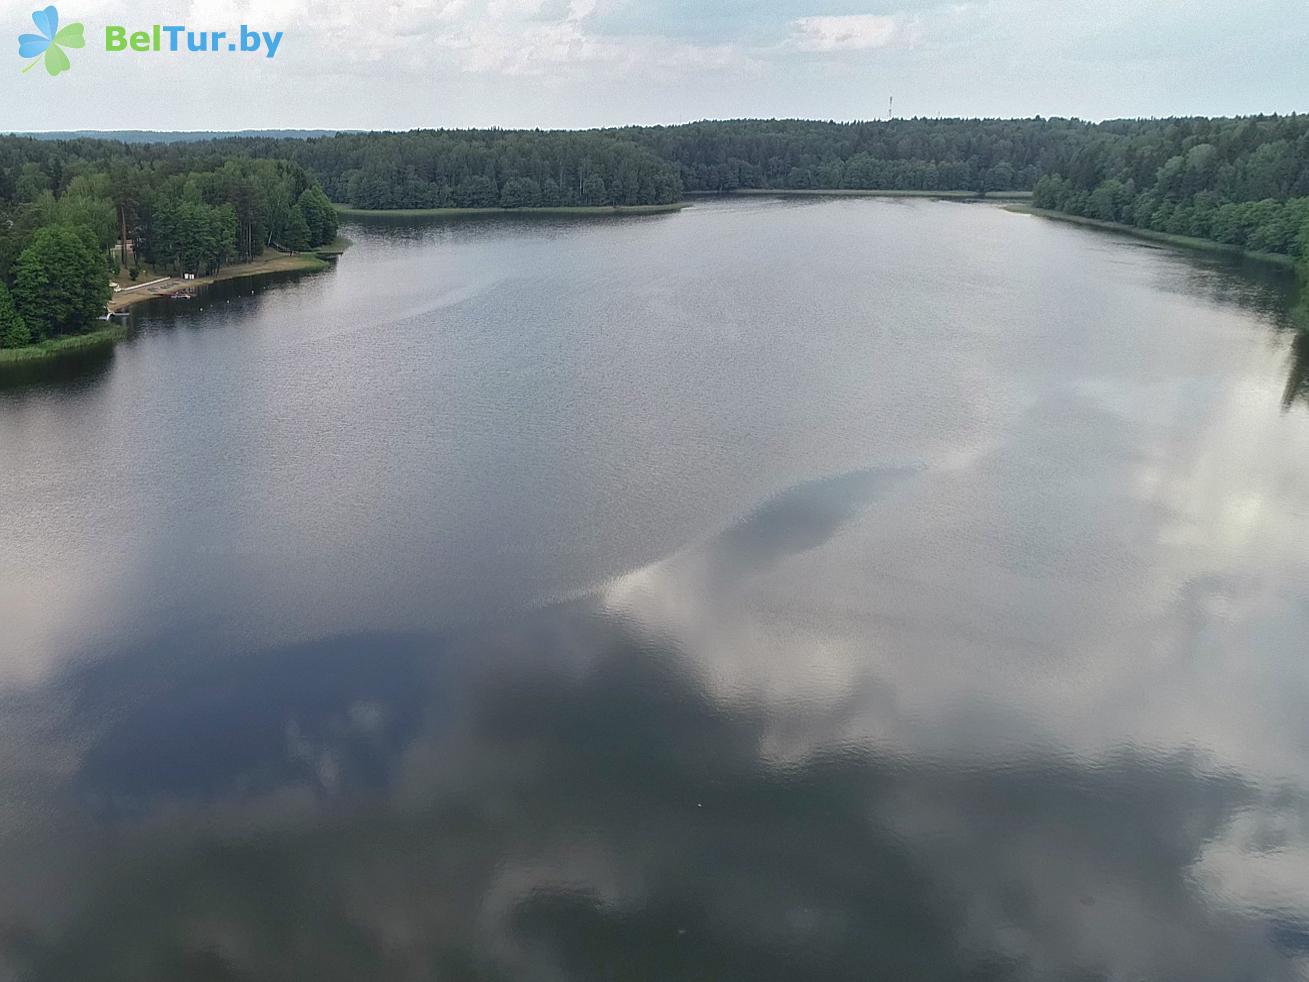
{"x":48,"y":45}
{"x":169,"y":37}
{"x":51,"y":42}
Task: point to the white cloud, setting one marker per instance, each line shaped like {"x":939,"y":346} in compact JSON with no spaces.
{"x":850,"y":32}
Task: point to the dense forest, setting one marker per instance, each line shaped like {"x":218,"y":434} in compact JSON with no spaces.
{"x":1241,"y":182}
{"x":900,"y":154}
{"x":488,"y":169}
{"x":95,"y":205}
{"x":655,"y":165}
{"x":74,"y":213}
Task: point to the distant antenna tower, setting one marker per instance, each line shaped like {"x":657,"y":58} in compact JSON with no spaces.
{"x":890,"y":108}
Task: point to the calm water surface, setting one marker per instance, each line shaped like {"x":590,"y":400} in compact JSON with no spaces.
{"x":777,"y":590}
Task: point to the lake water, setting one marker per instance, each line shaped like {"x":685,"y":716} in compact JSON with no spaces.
{"x":788,"y":590}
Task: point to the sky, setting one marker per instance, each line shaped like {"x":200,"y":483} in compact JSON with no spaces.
{"x":581,"y":63}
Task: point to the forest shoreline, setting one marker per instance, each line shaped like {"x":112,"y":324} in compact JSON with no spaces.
{"x":594,"y":211}
{"x":267,"y":264}
{"x":1164,"y":238}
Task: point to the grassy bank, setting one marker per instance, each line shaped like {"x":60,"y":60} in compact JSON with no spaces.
{"x":1167,"y":238}
{"x":62,"y":346}
{"x":347,"y":212}
{"x":872,"y":193}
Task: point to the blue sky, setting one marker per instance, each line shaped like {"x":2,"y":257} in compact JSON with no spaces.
{"x":577,"y":63}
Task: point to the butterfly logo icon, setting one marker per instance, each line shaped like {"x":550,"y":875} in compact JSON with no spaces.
{"x":50,"y":42}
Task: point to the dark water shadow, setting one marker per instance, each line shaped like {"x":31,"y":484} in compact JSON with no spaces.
{"x":1297,"y":376}
{"x":250,"y":723}
{"x":797,"y":520}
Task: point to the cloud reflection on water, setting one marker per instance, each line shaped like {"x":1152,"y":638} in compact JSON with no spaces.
{"x":590,"y":792}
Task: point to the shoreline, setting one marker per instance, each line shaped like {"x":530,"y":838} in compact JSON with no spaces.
{"x":271,"y":262}
{"x":54,"y":347}
{"x":867,"y":193}
{"x":266,"y":265}
{"x":592,"y":211}
{"x":1163,"y":238}
{"x":602,"y":211}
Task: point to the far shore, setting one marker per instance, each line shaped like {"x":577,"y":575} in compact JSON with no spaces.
{"x":868,"y":193}
{"x":597,"y":211}
{"x":609,"y":210}
{"x":1166,"y":238}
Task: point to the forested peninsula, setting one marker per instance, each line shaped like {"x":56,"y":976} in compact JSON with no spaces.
{"x":75,"y":212}
{"x":84,"y":224}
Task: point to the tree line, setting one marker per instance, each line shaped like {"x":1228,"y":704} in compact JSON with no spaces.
{"x":74,"y":213}
{"x":657,"y":164}
{"x":487,"y":169}
{"x":1241,"y":182}
{"x":193,"y":206}
{"x":891,"y":155}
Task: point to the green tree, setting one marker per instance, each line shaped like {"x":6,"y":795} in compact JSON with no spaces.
{"x":593,"y":190}
{"x":476,"y":191}
{"x":190,"y":236}
{"x":319,"y":215}
{"x":124,"y":192}
{"x":60,"y":284}
{"x":13,"y":329}
{"x":79,"y":208}
{"x":520,"y":192}
{"x":1105,"y":200}
{"x":297,"y":236}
